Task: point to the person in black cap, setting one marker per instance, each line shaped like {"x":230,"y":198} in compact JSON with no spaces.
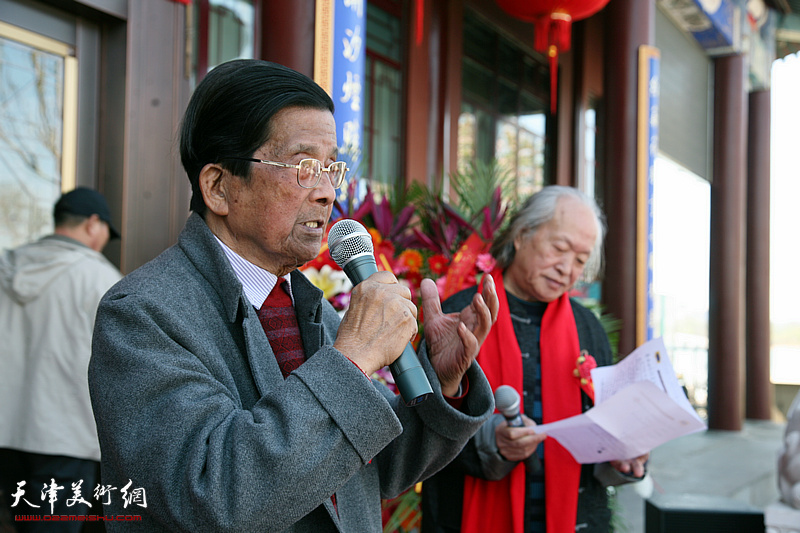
{"x":49,"y":293}
{"x":81,"y":205}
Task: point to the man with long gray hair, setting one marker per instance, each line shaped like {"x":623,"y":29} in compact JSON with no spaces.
{"x":541,"y":338}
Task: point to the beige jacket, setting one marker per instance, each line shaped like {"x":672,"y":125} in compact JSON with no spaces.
{"x":49,"y":291}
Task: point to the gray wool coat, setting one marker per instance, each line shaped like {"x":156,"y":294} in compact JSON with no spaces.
{"x":199,"y":428}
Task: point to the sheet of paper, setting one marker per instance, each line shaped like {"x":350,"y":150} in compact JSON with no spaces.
{"x":637,"y":419}
{"x":648,"y":362}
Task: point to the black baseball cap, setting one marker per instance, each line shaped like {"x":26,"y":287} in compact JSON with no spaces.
{"x":86,"y":202}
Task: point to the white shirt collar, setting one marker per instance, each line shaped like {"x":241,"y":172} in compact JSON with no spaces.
{"x":256,"y":282}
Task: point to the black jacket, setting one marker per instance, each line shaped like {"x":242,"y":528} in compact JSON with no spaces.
{"x":442,"y":495}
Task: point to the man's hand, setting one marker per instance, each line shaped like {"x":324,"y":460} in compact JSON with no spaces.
{"x":454,"y":339}
{"x":517,"y":443}
{"x":632,"y":467}
{"x":379,"y":323}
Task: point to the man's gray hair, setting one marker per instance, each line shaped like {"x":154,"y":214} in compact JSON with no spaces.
{"x":539,"y":209}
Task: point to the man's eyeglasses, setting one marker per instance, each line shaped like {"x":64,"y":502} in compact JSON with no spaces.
{"x":309,"y":171}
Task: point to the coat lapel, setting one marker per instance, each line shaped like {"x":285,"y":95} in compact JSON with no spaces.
{"x":308,"y":308}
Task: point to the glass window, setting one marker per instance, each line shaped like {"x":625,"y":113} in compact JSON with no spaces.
{"x":383,"y":34}
{"x":681,"y":229}
{"x":508,"y":99}
{"x":38,"y":127}
{"x":503,"y":112}
{"x":476,"y":136}
{"x":467,"y":132}
{"x":382,"y":123}
{"x":478,"y":83}
{"x":530,"y":167}
{"x":506,"y":147}
{"x":382,"y":163}
{"x":226,"y":30}
{"x":479,"y":40}
{"x":587,"y":173}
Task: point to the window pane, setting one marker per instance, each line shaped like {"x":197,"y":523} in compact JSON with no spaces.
{"x":383,"y":34}
{"x":467,"y":134}
{"x":231,"y":25}
{"x":533,"y":113}
{"x":381,"y":163}
{"x":506,"y":145}
{"x":508,"y":63}
{"x":477,"y":82}
{"x":507,"y":100}
{"x":536,"y":78}
{"x":682,"y":228}
{"x":530,"y":171}
{"x":587,"y":183}
{"x":385,"y":121}
{"x":479,"y":40}
{"x":505,"y":105}
{"x":486,"y":136}
{"x":31,"y":129}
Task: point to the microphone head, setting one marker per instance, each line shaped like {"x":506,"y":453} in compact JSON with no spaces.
{"x":506,"y":399}
{"x":348,"y":239}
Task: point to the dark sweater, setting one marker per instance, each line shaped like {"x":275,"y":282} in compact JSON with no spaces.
{"x":442,"y":495}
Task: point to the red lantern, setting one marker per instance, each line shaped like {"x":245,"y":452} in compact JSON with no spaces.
{"x":552,"y":23}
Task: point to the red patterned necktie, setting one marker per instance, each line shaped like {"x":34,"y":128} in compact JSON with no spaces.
{"x":280,"y":324}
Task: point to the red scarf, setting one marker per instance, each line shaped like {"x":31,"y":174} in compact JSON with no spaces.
{"x":499,"y":506}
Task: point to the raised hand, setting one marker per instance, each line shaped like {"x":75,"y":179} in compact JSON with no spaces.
{"x":454,"y":339}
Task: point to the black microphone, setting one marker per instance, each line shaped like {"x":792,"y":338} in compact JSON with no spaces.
{"x":506,"y":399}
{"x":351,"y":248}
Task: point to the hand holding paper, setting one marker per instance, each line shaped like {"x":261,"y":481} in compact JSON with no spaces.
{"x":639,"y":405}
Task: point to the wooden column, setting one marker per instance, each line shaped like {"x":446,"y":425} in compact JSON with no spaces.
{"x":287,"y":34}
{"x":726,"y":339}
{"x":759,"y":394}
{"x":629,"y":24}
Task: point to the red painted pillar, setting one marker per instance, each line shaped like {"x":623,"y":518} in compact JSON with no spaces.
{"x":287,"y":34}
{"x":629,"y":24}
{"x":759,"y":394}
{"x":726,"y":339}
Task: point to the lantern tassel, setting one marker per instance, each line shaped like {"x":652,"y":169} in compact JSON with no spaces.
{"x":552,"y":34}
{"x":552,"y":52}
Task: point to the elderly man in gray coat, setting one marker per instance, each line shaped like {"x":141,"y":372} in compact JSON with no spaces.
{"x":201,"y":429}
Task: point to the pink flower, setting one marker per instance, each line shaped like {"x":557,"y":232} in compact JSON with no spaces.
{"x":341,"y":301}
{"x":485,"y":262}
{"x":385,"y":376}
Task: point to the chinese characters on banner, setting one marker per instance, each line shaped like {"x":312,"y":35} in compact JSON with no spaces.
{"x":339,"y":60}
{"x":51,"y":493}
{"x":649,"y":90}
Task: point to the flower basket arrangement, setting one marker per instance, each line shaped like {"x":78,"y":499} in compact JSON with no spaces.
{"x":417,"y":234}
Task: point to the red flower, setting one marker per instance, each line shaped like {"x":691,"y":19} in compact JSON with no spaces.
{"x":409,"y":261}
{"x":583,"y":371}
{"x":438,"y":264}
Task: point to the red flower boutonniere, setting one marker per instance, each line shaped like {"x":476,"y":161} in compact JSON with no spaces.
{"x":583,"y":371}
